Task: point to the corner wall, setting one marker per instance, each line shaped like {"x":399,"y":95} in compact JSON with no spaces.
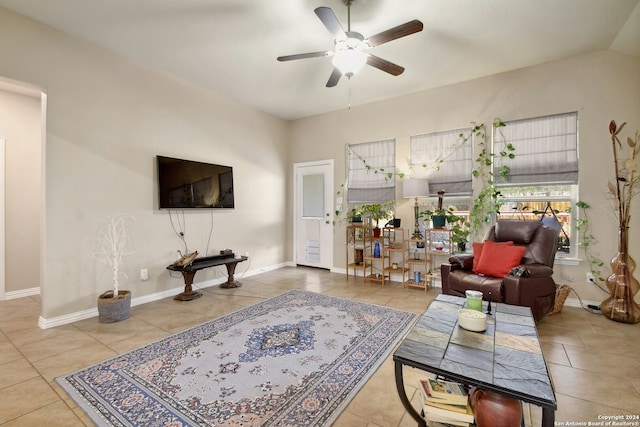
{"x":107,"y":119}
{"x":21,"y":126}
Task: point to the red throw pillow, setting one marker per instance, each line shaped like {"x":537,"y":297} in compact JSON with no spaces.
{"x":477,"y":252}
{"x":498,"y":259}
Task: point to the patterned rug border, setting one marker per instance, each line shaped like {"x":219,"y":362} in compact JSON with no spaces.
{"x":225,"y":321}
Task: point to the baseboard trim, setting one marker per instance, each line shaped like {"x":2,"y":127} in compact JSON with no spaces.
{"x":93,"y":312}
{"x":44,"y":323}
{"x":21,"y":293}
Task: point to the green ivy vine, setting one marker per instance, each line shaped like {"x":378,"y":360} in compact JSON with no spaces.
{"x":586,"y":240}
{"x":488,"y":200}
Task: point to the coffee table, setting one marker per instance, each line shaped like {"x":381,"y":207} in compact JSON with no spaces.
{"x":506,"y":358}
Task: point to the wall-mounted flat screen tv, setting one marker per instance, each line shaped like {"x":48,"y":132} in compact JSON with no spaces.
{"x":187,"y":184}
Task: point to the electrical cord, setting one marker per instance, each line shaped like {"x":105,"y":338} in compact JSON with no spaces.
{"x":182,"y":230}
{"x":599,"y":287}
{"x":589,"y":307}
{"x":206,"y":252}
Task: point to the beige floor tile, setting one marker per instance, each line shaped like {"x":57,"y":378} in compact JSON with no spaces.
{"x":25,"y":397}
{"x":55,"y":414}
{"x":604,"y":361}
{"x":579,"y":410}
{"x":555,"y":353}
{"x":349,"y":419}
{"x":15,"y":372}
{"x":139,"y":340}
{"x":48,"y":347}
{"x":78,"y":358}
{"x":613,"y":391}
{"x":108,"y":333}
{"x":9,"y":352}
{"x":27,"y":336}
{"x":559,"y":334}
{"x":586,"y":353}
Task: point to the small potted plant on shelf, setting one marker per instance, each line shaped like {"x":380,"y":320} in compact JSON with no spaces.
{"x":354,"y":215}
{"x":378,"y":211}
{"x":437,"y":216}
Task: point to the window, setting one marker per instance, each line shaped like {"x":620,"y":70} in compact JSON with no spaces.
{"x":371,"y":172}
{"x":445,"y":159}
{"x":543,"y":175}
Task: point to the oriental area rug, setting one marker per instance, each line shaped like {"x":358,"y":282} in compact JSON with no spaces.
{"x":293,"y":360}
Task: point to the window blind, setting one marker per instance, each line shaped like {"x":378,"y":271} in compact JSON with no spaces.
{"x":371,"y":171}
{"x":444,"y":160}
{"x":546,"y":150}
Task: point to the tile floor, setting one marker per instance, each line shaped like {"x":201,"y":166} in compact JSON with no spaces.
{"x":594,"y":362}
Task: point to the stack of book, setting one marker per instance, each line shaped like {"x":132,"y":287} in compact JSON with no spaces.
{"x":445,"y":403}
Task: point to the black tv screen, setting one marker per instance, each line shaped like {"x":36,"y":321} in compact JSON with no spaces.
{"x":187,"y":184}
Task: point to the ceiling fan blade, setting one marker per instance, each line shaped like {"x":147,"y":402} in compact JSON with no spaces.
{"x":384,"y":65}
{"x":330,"y":21}
{"x":303,"y":56}
{"x":405,"y":29}
{"x":334,"y":78}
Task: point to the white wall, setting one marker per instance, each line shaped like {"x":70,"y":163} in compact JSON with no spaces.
{"x":107,"y":118}
{"x":21,"y":126}
{"x":600,"y":86}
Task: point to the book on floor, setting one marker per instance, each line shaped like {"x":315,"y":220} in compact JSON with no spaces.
{"x":445,"y":404}
{"x":437,"y":424}
{"x":460,"y":409}
{"x":435,"y":421}
{"x":437,"y":411}
{"x":444,"y":392}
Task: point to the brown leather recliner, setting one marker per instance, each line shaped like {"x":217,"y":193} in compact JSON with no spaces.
{"x":530,"y":284}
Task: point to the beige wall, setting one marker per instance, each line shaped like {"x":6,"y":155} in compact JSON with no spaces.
{"x":600,"y":86}
{"x":107,"y":118}
{"x":21,"y":126}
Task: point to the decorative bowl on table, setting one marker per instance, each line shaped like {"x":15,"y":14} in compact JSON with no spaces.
{"x":472,"y":320}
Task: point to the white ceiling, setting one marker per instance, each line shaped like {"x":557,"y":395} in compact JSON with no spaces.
{"x":230,"y":46}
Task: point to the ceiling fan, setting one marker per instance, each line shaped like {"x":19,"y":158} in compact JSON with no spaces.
{"x":350,"y":53}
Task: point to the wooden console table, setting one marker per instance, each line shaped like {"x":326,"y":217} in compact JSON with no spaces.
{"x":189,"y":271}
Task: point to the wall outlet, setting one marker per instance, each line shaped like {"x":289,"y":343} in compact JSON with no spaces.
{"x":591,"y":278}
{"x":144,"y":274}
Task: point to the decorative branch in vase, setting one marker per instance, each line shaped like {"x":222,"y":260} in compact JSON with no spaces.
{"x":113,"y":245}
{"x":620,"y":306}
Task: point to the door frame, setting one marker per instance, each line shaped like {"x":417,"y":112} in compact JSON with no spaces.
{"x":297,"y":201}
{"x":2,"y":218}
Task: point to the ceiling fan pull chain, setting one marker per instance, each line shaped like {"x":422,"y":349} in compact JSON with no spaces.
{"x":349,"y":95}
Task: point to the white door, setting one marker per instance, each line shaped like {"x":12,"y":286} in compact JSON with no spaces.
{"x":313,"y":223}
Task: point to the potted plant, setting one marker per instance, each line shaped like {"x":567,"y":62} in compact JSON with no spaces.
{"x":437,"y":216}
{"x":113,"y":245}
{"x":355,"y":215}
{"x":378,"y":211}
{"x":460,"y":229}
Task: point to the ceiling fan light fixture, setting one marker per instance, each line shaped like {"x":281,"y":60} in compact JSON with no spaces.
{"x":349,"y":61}
{"x":350,"y":54}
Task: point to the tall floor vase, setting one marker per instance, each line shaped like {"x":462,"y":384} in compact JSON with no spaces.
{"x":620,"y":306}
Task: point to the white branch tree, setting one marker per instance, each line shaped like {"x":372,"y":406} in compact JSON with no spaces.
{"x":113,"y":246}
